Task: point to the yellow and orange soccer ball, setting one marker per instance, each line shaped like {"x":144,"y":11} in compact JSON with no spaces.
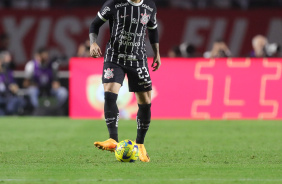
{"x":127,"y":151}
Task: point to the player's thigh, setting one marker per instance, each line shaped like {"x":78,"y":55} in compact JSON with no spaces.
{"x":143,"y":97}
{"x":113,"y":76}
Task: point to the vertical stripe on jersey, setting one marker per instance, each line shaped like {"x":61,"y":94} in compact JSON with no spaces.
{"x":135,"y":36}
{"x":108,"y":51}
{"x":140,"y":42}
{"x":110,"y":43}
{"x":115,"y":35}
{"x":121,"y":35}
{"x":143,"y":41}
{"x":144,"y":46}
{"x":129,"y":32}
{"x":143,"y":33}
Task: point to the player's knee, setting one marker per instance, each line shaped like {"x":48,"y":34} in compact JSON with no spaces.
{"x":144,"y":97}
{"x":112,"y":87}
{"x":109,"y":96}
{"x":145,"y":100}
{"x":110,"y":91}
{"x":110,"y":106}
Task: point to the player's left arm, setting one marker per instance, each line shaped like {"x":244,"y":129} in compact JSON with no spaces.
{"x":154,"y":39}
{"x":157,"y":58}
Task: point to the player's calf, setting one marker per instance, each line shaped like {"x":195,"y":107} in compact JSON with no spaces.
{"x":111,"y":114}
{"x":143,"y":122}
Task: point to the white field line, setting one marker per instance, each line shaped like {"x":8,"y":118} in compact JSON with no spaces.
{"x":117,"y":180}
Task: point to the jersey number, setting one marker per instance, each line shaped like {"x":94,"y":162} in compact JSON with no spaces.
{"x":140,"y":72}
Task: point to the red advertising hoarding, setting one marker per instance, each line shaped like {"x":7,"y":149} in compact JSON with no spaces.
{"x":63,"y":30}
{"x":237,"y":88}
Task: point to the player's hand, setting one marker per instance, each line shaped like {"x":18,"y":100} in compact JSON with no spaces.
{"x":157,"y":62}
{"x":95,"y":51}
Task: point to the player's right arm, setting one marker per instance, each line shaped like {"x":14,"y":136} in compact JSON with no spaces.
{"x":95,"y":50}
{"x":103,"y":15}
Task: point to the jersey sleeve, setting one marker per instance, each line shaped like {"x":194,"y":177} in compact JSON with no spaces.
{"x":107,"y":10}
{"x":152,"y":24}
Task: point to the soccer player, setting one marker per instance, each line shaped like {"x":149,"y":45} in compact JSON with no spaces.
{"x":126,"y":54}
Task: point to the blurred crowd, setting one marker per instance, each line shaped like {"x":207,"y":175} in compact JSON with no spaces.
{"x":260,"y":44}
{"x":39,"y":93}
{"x":188,"y":4}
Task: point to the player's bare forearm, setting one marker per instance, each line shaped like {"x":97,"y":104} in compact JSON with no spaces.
{"x":157,"y":59}
{"x":156,"y":48}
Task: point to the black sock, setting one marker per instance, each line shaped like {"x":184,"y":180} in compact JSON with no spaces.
{"x":143,"y":122}
{"x":111,"y":114}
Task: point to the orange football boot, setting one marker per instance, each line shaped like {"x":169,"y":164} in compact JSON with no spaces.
{"x":109,"y":145}
{"x":143,"y":155}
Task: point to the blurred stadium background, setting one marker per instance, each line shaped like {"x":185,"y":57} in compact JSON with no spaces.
{"x":207,"y":29}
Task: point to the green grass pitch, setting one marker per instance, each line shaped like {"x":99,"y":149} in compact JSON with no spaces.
{"x":61,"y":151}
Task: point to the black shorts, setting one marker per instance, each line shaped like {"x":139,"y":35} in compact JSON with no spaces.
{"x":138,"y":77}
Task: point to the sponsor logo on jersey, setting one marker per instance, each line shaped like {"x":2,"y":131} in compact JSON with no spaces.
{"x":126,"y":38}
{"x":109,"y":73}
{"x":123,"y":32}
{"x":131,"y":58}
{"x":122,"y":56}
{"x":121,"y":5}
{"x":147,"y":7}
{"x":125,"y":42}
{"x":106,"y":9}
{"x":145,"y":18}
{"x":127,"y":57}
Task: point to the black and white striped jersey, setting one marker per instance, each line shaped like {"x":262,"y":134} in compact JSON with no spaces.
{"x":128,"y":24}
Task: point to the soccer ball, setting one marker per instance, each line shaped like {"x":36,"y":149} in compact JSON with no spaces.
{"x":127,"y":151}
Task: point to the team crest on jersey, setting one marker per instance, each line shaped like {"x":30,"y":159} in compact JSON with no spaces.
{"x":109,"y":73}
{"x":145,"y":18}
